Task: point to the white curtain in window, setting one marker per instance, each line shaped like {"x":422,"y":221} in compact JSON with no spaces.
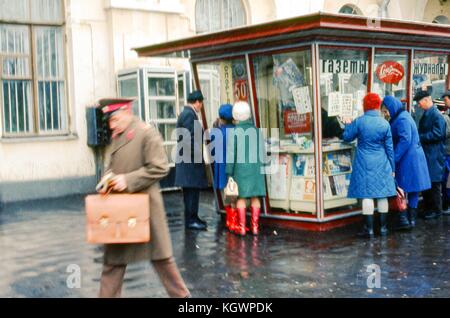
{"x":14,"y":10}
{"x":216,"y":15}
{"x":46,"y":11}
{"x":32,"y":11}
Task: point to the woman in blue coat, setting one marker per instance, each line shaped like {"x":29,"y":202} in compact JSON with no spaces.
{"x":219,"y":138}
{"x":373,"y":166}
{"x":411,"y":170}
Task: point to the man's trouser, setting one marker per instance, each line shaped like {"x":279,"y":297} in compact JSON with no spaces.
{"x":433,"y":198}
{"x":191,"y":197}
{"x":112,"y":279}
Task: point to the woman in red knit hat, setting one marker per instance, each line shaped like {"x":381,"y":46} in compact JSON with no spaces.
{"x":374,"y":166}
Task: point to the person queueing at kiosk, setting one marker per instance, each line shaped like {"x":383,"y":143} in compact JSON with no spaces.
{"x":411,"y":170}
{"x":190,"y":173}
{"x":244,"y":164}
{"x":443,"y":109}
{"x":221,"y":126}
{"x":446,"y":183}
{"x":374,"y":166}
{"x":432,"y":133}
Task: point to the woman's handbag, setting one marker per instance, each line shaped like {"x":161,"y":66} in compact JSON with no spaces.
{"x":118,"y":218}
{"x":398,"y":203}
{"x":231,"y":190}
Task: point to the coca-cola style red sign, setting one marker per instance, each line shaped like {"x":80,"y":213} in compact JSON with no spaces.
{"x":390,"y":72}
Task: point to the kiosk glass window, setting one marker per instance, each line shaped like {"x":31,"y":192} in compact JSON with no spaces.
{"x":284,"y":90}
{"x":390,"y":73}
{"x":430,"y":73}
{"x":343,"y":85}
{"x":224,"y":82}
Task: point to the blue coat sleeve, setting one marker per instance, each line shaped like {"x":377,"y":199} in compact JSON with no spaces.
{"x":350,"y":131}
{"x":437,"y":133}
{"x":404,"y":139}
{"x":389,"y":147}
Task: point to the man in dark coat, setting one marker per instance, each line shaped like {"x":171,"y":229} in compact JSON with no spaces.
{"x":443,"y":106}
{"x":190,"y":171}
{"x":432,"y":133}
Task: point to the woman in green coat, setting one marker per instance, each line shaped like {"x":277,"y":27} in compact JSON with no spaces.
{"x":245,"y":164}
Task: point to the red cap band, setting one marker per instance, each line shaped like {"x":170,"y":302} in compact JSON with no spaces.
{"x":114,"y":107}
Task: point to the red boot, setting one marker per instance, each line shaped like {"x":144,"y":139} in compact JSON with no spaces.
{"x":228,"y":214}
{"x":233,"y":219}
{"x":255,"y":220}
{"x":240,"y":224}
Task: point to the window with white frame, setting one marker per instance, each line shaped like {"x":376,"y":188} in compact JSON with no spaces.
{"x":128,"y":86}
{"x":32,"y":75}
{"x":162,"y":106}
{"x":216,"y":15}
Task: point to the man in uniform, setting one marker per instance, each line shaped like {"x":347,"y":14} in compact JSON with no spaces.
{"x":138,"y":160}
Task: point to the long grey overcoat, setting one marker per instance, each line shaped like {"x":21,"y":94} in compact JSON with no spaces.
{"x":139,"y":154}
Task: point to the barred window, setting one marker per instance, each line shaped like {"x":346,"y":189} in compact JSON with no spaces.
{"x":16,"y":79}
{"x":33,"y":89}
{"x":50,"y":78}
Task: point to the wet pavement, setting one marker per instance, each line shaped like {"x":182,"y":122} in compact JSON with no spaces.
{"x":39,"y":241}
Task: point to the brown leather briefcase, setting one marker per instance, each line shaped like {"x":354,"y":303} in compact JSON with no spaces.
{"x":118,"y":218}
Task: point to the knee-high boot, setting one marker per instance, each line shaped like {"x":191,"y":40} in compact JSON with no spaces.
{"x":403,"y":222}
{"x":228,"y":217}
{"x":383,"y":224}
{"x":240,"y":224}
{"x":255,"y":220}
{"x":412,"y":214}
{"x":233,"y":219}
{"x":367,"y":230}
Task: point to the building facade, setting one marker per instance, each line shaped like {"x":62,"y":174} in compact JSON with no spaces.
{"x":60,"y":56}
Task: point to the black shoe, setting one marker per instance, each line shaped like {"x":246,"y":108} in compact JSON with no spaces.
{"x":201,"y":221}
{"x":403,"y":222}
{"x":367,"y":231}
{"x":383,"y":224}
{"x":196,"y":226}
{"x":430,"y":215}
{"x":412,"y":215}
